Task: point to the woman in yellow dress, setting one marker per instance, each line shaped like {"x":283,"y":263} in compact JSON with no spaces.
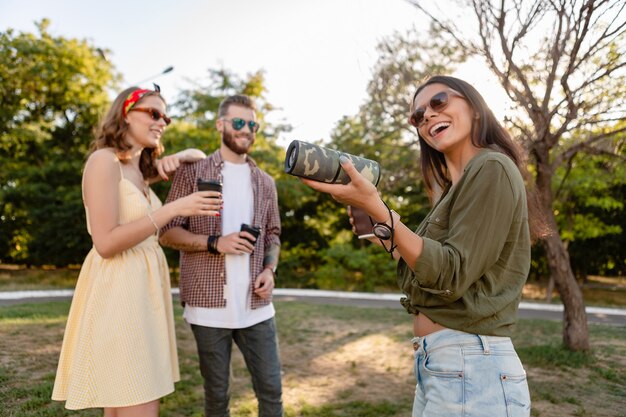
{"x":119,"y":348}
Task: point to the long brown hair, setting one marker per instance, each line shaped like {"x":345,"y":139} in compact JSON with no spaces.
{"x":486,"y":132}
{"x":111,"y":133}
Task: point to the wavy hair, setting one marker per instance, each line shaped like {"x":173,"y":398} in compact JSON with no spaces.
{"x":111,"y":133}
{"x":486,"y":132}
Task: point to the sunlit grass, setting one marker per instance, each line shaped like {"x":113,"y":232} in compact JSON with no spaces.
{"x":598,"y":291}
{"x":338,"y":361}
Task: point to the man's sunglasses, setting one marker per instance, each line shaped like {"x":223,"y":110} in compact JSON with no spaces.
{"x":154,"y":114}
{"x":239,"y":124}
{"x":437,"y":103}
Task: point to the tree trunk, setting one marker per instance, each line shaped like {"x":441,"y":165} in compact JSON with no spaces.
{"x":550,"y":289}
{"x":575,"y":330}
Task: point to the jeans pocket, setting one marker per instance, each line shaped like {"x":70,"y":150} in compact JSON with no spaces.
{"x":444,"y":362}
{"x":442,"y":379}
{"x":516,"y":395}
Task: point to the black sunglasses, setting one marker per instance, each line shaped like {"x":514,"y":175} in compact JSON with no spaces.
{"x":154,"y":114}
{"x":437,"y":103}
{"x":239,"y":124}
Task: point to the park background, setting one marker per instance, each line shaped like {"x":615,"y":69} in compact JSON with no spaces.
{"x":560,"y":89}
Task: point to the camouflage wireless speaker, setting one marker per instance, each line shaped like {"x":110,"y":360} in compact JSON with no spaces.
{"x":322,"y":164}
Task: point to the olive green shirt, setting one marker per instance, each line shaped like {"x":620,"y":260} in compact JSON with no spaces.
{"x":476,"y":254}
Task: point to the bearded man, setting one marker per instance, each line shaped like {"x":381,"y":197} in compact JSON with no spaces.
{"x":227,"y":273}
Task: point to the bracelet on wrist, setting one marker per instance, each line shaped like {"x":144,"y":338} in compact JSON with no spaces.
{"x":272,"y":269}
{"x":384,"y":231}
{"x":211,"y":244}
{"x":154,"y":224}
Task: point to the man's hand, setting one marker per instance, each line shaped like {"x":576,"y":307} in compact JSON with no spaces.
{"x":264,"y":283}
{"x":170,"y":163}
{"x":235,"y":244}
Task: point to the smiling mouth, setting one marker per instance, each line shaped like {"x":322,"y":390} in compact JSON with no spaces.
{"x":438,"y":128}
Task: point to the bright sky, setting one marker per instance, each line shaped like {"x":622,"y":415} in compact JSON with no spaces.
{"x":317,"y":55}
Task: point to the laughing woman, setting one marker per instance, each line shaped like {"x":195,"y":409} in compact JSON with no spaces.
{"x":463,"y":269}
{"x":119,"y":348}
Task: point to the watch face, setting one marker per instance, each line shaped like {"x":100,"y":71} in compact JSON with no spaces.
{"x":382,"y":231}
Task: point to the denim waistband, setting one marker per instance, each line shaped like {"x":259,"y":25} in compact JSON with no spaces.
{"x":455,"y":337}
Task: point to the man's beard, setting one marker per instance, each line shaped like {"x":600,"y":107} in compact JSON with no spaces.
{"x":231,"y":143}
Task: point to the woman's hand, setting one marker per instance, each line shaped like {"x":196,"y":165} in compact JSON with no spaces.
{"x":169,"y":164}
{"x":200,"y":203}
{"x":372,"y":239}
{"x":358,"y":192}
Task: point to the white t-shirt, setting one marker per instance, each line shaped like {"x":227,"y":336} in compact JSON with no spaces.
{"x":238,"y":208}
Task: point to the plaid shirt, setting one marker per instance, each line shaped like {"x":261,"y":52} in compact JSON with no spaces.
{"x":203,"y":275}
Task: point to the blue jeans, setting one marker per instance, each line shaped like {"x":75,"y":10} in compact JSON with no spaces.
{"x":259,"y":347}
{"x":462,"y":374}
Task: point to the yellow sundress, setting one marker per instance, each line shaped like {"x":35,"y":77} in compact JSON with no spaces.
{"x":119,"y":347}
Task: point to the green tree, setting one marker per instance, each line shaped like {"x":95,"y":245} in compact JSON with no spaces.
{"x":562,"y":63}
{"x":196,"y":110}
{"x":52,"y":92}
{"x":590,"y":192}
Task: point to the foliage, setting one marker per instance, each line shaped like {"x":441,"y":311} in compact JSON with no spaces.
{"x":367,"y":269}
{"x":52,"y":91}
{"x":590,"y":211}
{"x":197,"y":113}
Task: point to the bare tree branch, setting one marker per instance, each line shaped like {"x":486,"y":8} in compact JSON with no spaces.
{"x":586,"y":144}
{"x":447,"y":27}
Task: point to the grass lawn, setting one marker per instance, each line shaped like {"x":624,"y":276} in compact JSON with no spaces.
{"x":338,"y":361}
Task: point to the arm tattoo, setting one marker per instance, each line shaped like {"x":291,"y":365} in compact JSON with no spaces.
{"x":271,"y":255}
{"x":188,"y":247}
{"x":184,"y":246}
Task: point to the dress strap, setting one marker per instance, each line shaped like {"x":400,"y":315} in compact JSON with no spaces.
{"x":119,"y":164}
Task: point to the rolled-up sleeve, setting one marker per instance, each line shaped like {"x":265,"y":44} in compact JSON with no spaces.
{"x":479,"y":221}
{"x":272,"y":227}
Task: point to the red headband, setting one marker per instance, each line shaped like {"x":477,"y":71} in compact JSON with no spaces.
{"x":132,"y":99}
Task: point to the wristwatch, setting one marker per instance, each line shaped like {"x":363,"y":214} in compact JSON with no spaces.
{"x":383,"y":231}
